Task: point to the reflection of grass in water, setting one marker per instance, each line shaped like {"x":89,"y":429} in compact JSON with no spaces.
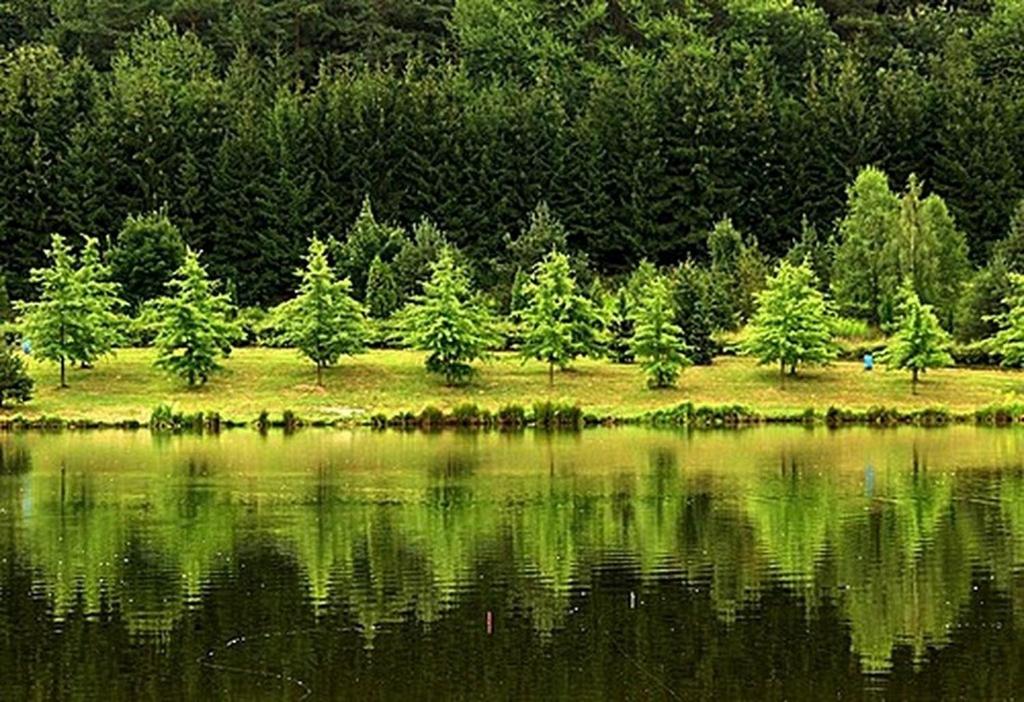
{"x":127,"y":386}
{"x":359,"y":514}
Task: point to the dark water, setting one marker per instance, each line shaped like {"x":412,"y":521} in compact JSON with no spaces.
{"x":615,"y":564}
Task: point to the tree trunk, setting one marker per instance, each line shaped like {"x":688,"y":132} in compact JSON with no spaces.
{"x":782,"y":372}
{"x":792,"y":368}
{"x":551,"y":375}
{"x":913,"y":382}
{"x":63,"y":373}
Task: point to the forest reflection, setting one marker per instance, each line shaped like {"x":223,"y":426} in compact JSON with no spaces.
{"x":770,"y":561}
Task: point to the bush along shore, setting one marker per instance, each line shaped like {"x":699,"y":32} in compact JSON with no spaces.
{"x":547,"y":416}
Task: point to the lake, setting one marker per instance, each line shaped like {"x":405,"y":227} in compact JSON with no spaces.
{"x":766,"y":563}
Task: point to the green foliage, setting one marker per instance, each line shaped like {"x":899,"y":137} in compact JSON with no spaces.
{"x":148,"y":250}
{"x":658,"y":341}
{"x":619,"y":313}
{"x":641,"y":124}
{"x":691,"y":297}
{"x":15,"y":383}
{"x":322,"y":321}
{"x":75,"y":318}
{"x":412,"y":264}
{"x":1011,"y":248}
{"x":816,"y":252}
{"x":382,"y":295}
{"x":793,"y":321}
{"x":983,"y":301}
{"x":448,"y":323}
{"x":871,"y":222}
{"x":738,"y":269}
{"x":919,"y":342}
{"x":888,"y":240}
{"x":105,"y":322}
{"x":559,"y":324}
{"x":6,"y":309}
{"x":367,"y":239}
{"x":192,"y":323}
{"x":1008,"y":342}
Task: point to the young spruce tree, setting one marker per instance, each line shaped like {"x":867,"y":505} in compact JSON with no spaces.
{"x":74,"y":318}
{"x":15,"y":383}
{"x":447,"y":323}
{"x":1008,"y":342}
{"x":559,"y":324}
{"x":619,"y":313}
{"x":193,"y":325}
{"x":105,"y":321}
{"x":658,"y":341}
{"x":792,"y":323}
{"x":919,"y":342}
{"x":382,"y":294}
{"x":323,"y":320}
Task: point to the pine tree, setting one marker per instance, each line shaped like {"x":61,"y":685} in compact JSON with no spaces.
{"x":1011,"y":248}
{"x":15,"y":383}
{"x":59,"y":322}
{"x":559,"y":324}
{"x":543,"y":233}
{"x":323,"y":321}
{"x":815,"y":251}
{"x":1008,"y":342}
{"x":412,"y":264}
{"x":690,"y":295}
{"x":105,"y":321}
{"x":658,"y":342}
{"x":382,"y":295}
{"x":367,"y":239}
{"x":738,"y":268}
{"x":192,"y":322}
{"x":619,"y":312}
{"x":919,"y":342}
{"x":793,"y":322}
{"x":445,"y":321}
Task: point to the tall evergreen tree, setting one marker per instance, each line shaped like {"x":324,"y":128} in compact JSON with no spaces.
{"x":382,"y":295}
{"x":690,"y":296}
{"x":367,"y":240}
{"x":448,"y":323}
{"x":919,"y":342}
{"x":412,"y":264}
{"x":322,"y":321}
{"x":793,"y":321}
{"x":818,"y":253}
{"x":621,"y":327}
{"x":658,"y":341}
{"x":559,"y":324}
{"x":193,"y":323}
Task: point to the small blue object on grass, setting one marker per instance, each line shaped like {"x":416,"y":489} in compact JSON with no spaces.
{"x":869,"y":362}
{"x":26,"y":347}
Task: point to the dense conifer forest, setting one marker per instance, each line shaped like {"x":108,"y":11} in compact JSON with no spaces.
{"x":618,"y":131}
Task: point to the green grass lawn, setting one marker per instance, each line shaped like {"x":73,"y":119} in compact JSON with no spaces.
{"x":127,"y":386}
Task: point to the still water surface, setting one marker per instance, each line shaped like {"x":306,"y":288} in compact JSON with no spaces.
{"x":618,"y":564}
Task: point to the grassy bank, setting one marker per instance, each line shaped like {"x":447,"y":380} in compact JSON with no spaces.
{"x":127,"y":387}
